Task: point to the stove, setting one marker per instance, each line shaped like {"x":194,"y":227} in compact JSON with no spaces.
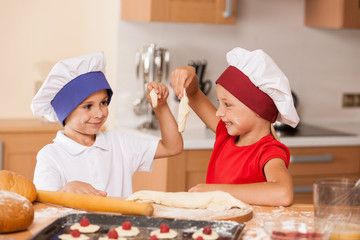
{"x":305,"y":130}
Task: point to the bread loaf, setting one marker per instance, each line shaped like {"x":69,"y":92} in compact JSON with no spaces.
{"x":16,"y":212}
{"x":13,"y":182}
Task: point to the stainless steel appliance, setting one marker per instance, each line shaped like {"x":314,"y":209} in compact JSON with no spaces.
{"x":152,"y":64}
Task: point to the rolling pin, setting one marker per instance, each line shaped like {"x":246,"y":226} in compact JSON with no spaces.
{"x":94,"y":203}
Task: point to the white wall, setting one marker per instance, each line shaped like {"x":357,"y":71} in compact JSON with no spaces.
{"x":36,"y":34}
{"x":321,"y":64}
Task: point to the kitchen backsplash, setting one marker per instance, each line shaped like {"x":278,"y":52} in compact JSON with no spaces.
{"x":321,"y":64}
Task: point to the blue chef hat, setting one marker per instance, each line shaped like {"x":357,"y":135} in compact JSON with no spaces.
{"x":69,"y":83}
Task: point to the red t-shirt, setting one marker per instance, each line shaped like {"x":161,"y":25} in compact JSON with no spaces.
{"x":230,"y":164}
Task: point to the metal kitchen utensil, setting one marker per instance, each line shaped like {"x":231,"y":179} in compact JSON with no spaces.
{"x":152,"y":64}
{"x":338,"y":200}
{"x":351,"y":198}
{"x":140,"y":105}
{"x":200,"y":67}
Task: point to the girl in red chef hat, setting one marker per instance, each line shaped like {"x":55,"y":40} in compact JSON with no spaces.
{"x":247,"y":161}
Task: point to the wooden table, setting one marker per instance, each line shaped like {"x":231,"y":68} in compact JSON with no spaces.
{"x":46,"y":213}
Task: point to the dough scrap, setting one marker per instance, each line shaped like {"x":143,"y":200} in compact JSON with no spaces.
{"x":88,"y":229}
{"x":170,"y":234}
{"x":183,"y":113}
{"x":214,"y":201}
{"x":154,"y":98}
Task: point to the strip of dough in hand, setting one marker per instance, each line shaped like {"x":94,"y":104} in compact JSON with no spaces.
{"x":184,"y":110}
{"x":154,"y":98}
{"x":214,"y":201}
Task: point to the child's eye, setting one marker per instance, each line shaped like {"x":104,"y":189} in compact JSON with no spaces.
{"x":88,"y":106}
{"x":105,"y":102}
{"x":227,"y":105}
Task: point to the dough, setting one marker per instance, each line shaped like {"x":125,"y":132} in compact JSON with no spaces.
{"x":127,"y":233}
{"x":200,"y":233}
{"x":154,"y":98}
{"x":214,"y":201}
{"x":170,"y":234}
{"x":88,"y":229}
{"x":13,"y":182}
{"x":183,"y":113}
{"x":16,"y":212}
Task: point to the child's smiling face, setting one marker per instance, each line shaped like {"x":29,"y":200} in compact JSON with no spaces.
{"x":87,"y":118}
{"x":238,"y":118}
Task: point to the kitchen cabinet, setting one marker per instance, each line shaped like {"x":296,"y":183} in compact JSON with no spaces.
{"x":185,"y":11}
{"x":307,"y":164}
{"x":310,"y":163}
{"x":21,"y":140}
{"x":332,"y":13}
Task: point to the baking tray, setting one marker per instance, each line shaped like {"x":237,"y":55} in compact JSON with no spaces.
{"x":185,"y":228}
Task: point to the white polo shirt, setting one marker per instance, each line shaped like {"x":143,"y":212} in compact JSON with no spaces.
{"x":108,"y":165}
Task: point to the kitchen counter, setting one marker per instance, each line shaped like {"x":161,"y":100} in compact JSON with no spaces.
{"x":46,"y":213}
{"x":204,"y":138}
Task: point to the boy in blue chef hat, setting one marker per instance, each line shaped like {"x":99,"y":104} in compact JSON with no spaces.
{"x":82,"y":158}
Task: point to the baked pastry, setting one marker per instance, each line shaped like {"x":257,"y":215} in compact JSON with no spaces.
{"x":16,"y":212}
{"x":13,"y":182}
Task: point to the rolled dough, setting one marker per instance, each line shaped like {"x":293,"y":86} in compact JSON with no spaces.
{"x":183,"y":113}
{"x":214,"y":201}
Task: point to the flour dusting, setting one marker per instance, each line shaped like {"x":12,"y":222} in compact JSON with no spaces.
{"x":53,"y":212}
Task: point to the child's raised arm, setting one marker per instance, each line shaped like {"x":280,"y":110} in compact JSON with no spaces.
{"x":171,"y":142}
{"x":185,"y":77}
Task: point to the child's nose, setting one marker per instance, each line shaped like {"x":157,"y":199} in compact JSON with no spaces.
{"x":98,"y":112}
{"x":219,"y":113}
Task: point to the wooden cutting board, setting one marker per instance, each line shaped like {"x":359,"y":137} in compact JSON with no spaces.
{"x":235,"y":214}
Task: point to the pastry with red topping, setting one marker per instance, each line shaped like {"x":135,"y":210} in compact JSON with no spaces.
{"x":111,"y":235}
{"x":75,"y":234}
{"x":127,"y":230}
{"x":206,"y":234}
{"x":85,"y":227}
{"x":164,"y":232}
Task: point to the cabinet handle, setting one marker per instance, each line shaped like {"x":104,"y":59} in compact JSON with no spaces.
{"x":228,"y":9}
{"x":303,"y":189}
{"x":312,"y":158}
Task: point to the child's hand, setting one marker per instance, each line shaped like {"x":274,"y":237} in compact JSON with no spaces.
{"x":184,"y":77}
{"x":82,"y":187}
{"x":162,"y":93}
